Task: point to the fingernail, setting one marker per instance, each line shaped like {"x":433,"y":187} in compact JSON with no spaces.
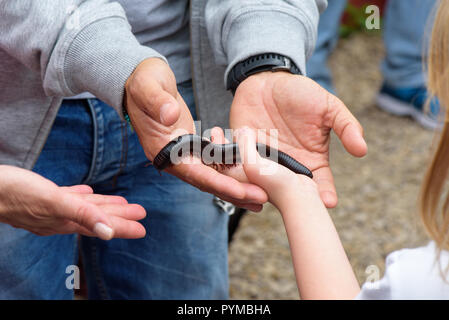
{"x":165,"y":110}
{"x":103,"y":231}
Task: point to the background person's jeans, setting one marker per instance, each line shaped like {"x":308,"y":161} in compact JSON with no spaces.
{"x":407,"y":29}
{"x":405,"y":32}
{"x":183,"y":256}
{"x":328,"y":33}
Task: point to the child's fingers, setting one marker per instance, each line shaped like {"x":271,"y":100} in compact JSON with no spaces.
{"x":247,"y":144}
{"x":248,"y":153}
{"x":236,"y":172}
{"x":217,"y":136}
{"x":260,"y":171}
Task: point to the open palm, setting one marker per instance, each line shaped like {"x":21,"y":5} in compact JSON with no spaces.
{"x":304,"y":114}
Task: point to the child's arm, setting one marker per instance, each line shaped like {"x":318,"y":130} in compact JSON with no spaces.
{"x":321,"y":266}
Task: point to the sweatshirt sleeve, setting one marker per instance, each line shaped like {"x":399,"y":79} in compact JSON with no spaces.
{"x":75,"y":45}
{"x":240,"y":29}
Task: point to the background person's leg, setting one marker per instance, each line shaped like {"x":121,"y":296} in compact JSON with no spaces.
{"x":328,"y":32}
{"x":406,"y":36}
{"x":31,"y":266}
{"x":184,"y":254}
{"x":406,"y":33}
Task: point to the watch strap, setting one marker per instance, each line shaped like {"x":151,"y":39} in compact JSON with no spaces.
{"x":256,"y":64}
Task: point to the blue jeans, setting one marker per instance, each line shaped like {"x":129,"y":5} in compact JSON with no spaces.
{"x":183,"y":255}
{"x":404,"y":32}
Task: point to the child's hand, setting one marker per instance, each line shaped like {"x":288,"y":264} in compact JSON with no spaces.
{"x":280,"y":183}
{"x":321,"y":266}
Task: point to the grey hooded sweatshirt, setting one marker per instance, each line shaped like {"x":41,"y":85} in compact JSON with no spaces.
{"x":50,"y":49}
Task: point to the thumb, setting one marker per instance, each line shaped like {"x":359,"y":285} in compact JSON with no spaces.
{"x":347,"y":128}
{"x":88,"y":215}
{"x":156,"y":102}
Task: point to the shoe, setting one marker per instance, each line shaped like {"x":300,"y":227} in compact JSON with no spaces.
{"x":410,"y":102}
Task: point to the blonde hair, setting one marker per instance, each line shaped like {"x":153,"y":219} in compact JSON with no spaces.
{"x":434,"y":202}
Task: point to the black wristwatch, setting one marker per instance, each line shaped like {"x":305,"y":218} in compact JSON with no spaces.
{"x":256,"y":64}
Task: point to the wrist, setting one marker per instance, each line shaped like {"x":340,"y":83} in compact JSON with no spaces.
{"x":299,"y":194}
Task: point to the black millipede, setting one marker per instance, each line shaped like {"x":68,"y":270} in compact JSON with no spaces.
{"x":219,"y":154}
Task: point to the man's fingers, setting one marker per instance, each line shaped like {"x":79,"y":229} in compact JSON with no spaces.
{"x":209,"y":180}
{"x":254,"y":193}
{"x":325,"y":181}
{"x":245,"y":205}
{"x":346,"y":126}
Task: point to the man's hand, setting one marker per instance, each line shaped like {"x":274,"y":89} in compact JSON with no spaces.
{"x":159,"y":114}
{"x":304,"y":114}
{"x":31,"y":202}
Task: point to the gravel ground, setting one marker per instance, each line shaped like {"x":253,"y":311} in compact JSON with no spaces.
{"x":378,"y":194}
